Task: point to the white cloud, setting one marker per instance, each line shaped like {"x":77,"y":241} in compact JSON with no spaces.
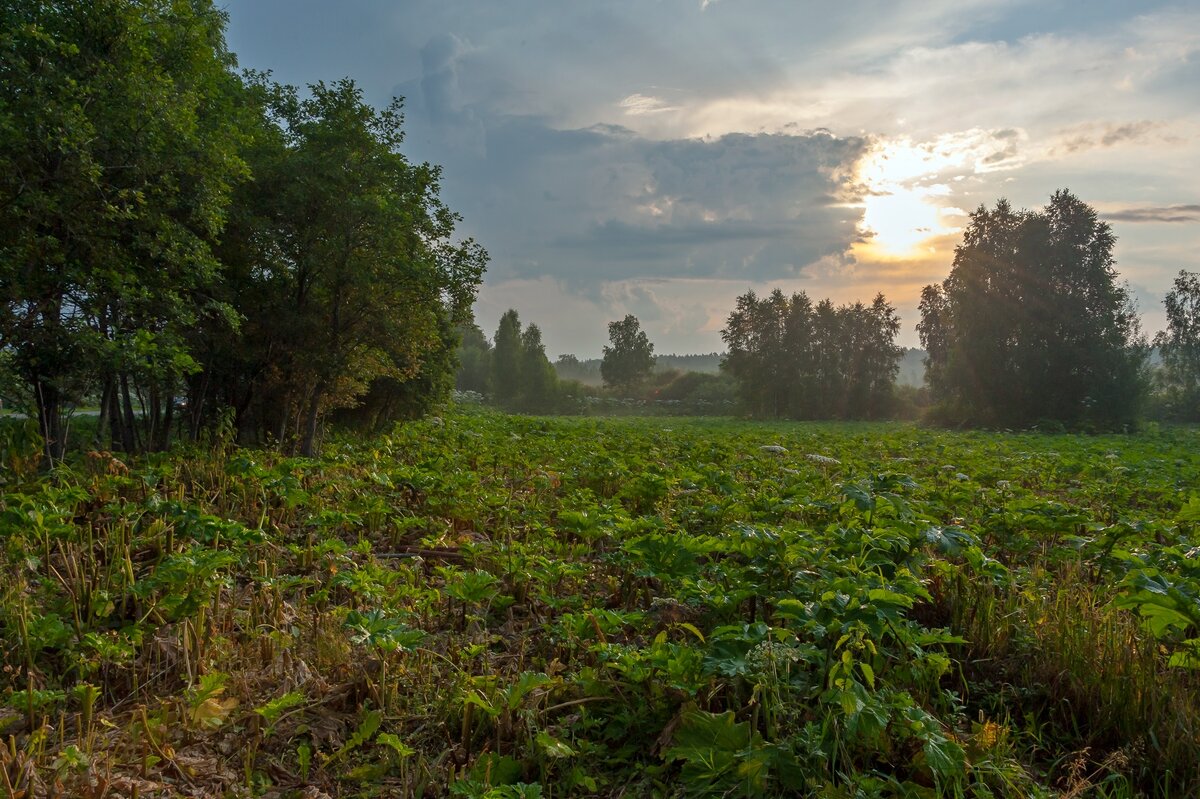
{"x":638,"y":104}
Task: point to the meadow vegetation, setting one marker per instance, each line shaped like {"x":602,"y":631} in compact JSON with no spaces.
{"x":230,"y":581}
{"x":493,"y":606}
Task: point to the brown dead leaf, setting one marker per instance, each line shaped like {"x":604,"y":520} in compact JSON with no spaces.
{"x":212,"y":712}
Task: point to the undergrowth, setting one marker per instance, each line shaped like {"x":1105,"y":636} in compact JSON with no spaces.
{"x":490,"y":606}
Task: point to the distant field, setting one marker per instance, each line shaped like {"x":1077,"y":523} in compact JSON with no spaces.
{"x":493,"y":606}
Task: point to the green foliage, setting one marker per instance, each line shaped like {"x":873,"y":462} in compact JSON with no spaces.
{"x":169,"y":227}
{"x":693,"y":607}
{"x":793,"y":359}
{"x":121,"y":143}
{"x":1179,"y":346}
{"x":539,"y":384}
{"x":272,"y":710}
{"x":474,"y":359}
{"x":630,"y":357}
{"x":522,"y":377}
{"x":506,"y":360}
{"x":726,"y":758}
{"x":376,"y":629}
{"x":347,"y":280}
{"x":362,"y":734}
{"x":1031,"y":324}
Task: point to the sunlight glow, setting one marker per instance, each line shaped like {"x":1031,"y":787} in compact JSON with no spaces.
{"x":899,"y":221}
{"x":898,"y":212}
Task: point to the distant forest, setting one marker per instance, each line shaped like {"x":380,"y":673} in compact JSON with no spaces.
{"x":587,"y":371}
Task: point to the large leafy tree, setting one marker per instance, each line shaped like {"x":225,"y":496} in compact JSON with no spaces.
{"x":1031,"y":322}
{"x":342,"y":265}
{"x":629,"y":358}
{"x":119,"y":140}
{"x":1179,"y":346}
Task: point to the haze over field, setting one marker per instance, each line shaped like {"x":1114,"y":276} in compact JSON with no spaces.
{"x":661,"y":158}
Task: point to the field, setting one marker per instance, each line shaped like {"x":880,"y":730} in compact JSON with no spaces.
{"x":489,"y":606}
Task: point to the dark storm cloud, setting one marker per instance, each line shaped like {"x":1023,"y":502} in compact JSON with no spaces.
{"x":601,"y":203}
{"x":595,"y":205}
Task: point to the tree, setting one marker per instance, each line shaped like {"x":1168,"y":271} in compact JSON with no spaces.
{"x":340,"y":261}
{"x":118,"y":153}
{"x":136,"y":252}
{"x":522,"y":377}
{"x":506,"y":360}
{"x":868,"y":334}
{"x":1031,"y":323}
{"x":755,"y":336}
{"x":539,"y":384}
{"x":630,"y":358}
{"x":474,"y":359}
{"x":792,"y":358}
{"x":1179,"y":346}
{"x":412,"y":391}
{"x":933,"y":330}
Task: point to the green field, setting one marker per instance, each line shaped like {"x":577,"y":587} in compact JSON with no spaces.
{"x":489,"y":606}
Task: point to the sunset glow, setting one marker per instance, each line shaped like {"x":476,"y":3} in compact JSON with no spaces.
{"x":898,"y":222}
{"x":899,"y":208}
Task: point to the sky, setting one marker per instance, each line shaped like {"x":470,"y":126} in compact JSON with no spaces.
{"x":662,"y":157}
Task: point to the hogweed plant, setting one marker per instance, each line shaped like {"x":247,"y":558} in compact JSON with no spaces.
{"x":506,"y":606}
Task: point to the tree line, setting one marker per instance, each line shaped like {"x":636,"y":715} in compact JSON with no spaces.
{"x":514,"y":372}
{"x":197,"y":247}
{"x":1030,"y":327}
{"x":793,"y":358}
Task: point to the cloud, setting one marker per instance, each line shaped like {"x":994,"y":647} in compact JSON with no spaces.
{"x":1133,"y":131}
{"x":637,"y":104}
{"x":1168,"y":213}
{"x":597,"y":148}
{"x":439,"y":89}
{"x":638,"y":298}
{"x":588,"y":206}
{"x":1107,"y":134}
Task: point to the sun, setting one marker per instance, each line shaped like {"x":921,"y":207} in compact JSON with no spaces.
{"x":898,"y":211}
{"x":898,"y":222}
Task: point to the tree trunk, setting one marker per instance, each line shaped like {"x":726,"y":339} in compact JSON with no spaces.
{"x":308,"y":443}
{"x":150,"y":417}
{"x":164,"y":436}
{"x":49,"y":411}
{"x":128,"y":429}
{"x":115,"y":426}
{"x":104,"y":416}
